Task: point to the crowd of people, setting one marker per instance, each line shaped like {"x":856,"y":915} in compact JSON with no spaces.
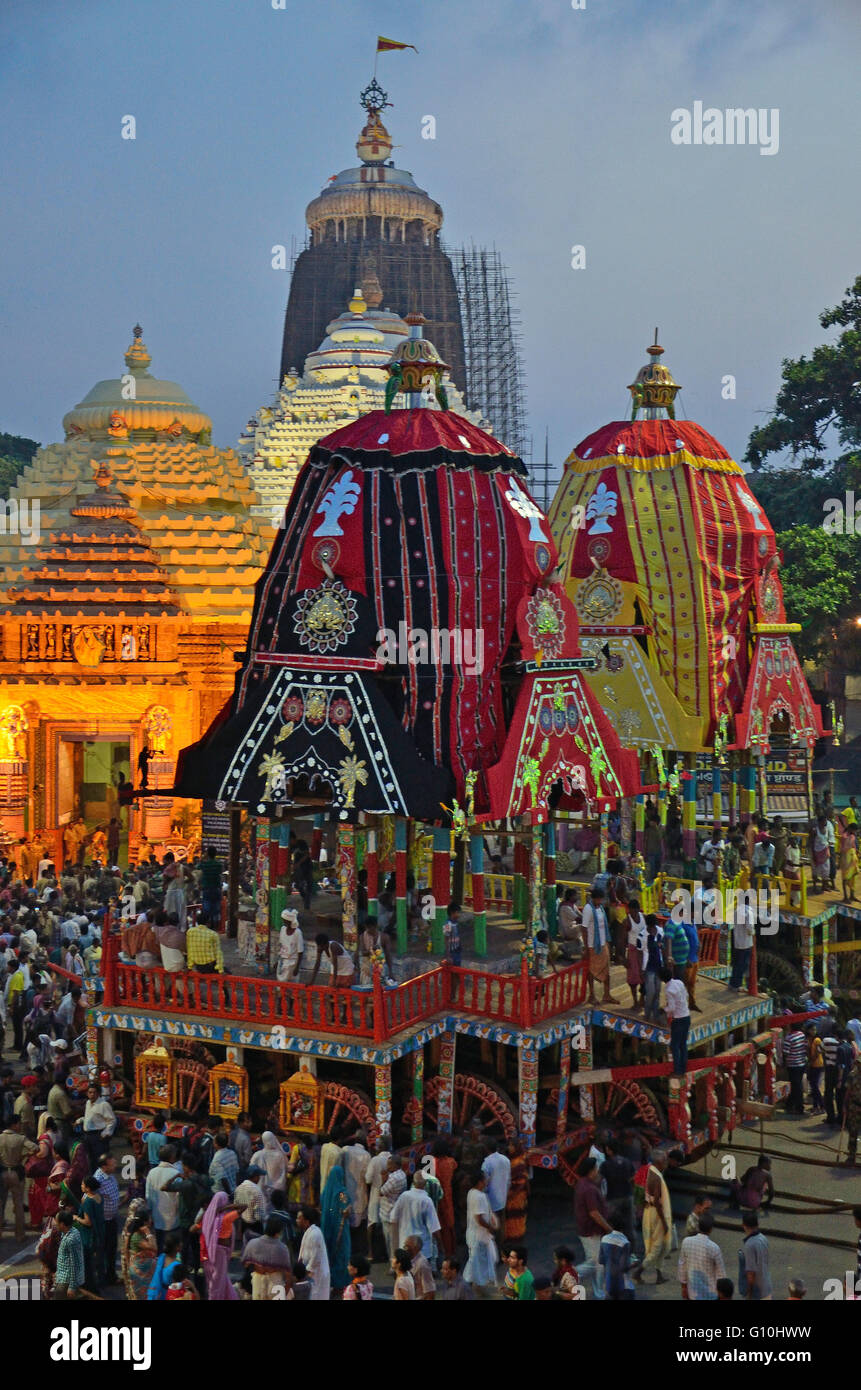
{"x":214,"y":1212}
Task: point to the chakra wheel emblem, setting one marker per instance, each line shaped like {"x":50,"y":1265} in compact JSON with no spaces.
{"x":325,"y":617}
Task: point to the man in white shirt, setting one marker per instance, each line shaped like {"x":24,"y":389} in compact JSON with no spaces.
{"x":414,"y":1214}
{"x":312,"y":1253}
{"x":163,"y":1204}
{"x":497,"y":1169}
{"x":375,"y":1174}
{"x":99,"y":1125}
{"x":701,"y":1263}
{"x":713,"y":847}
{"x":249,"y":1195}
{"x":679,"y":1015}
{"x":394,"y":1184}
{"x":355,"y":1160}
{"x":744,"y":924}
{"x":597,"y":935}
{"x":291,"y":946}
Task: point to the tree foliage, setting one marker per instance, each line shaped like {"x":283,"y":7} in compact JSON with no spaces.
{"x":813,"y":445}
{"x":15,"y":453}
{"x":821,"y":578}
{"x":820,"y":398}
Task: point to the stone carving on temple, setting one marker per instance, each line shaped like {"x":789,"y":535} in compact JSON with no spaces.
{"x":13,"y":730}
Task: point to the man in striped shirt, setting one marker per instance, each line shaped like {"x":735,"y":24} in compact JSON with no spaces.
{"x":795,"y":1061}
{"x":830,"y":1045}
{"x":109,"y":1190}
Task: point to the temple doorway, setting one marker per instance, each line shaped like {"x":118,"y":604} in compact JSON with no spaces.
{"x":89,"y":771}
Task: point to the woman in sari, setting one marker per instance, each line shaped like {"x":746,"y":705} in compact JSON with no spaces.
{"x":138,"y":1251}
{"x":38,"y":1169}
{"x":71,"y":1185}
{"x":53,"y":1189}
{"x":518,"y":1193}
{"x":47,"y":1249}
{"x":91,"y":1222}
{"x":335,"y":1225}
{"x":300,"y":1171}
{"x":273,"y":1160}
{"x":216,"y":1248}
{"x":166,"y":1269}
{"x":445,"y":1166}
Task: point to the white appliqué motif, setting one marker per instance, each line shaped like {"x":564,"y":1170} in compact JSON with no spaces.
{"x":603,"y":503}
{"x":520,"y":502}
{"x":339,"y":501}
{"x":751,"y":506}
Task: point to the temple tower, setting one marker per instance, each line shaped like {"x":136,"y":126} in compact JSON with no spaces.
{"x":373,"y":221}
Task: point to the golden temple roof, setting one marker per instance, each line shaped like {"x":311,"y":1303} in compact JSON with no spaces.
{"x":188,"y":505}
{"x":137,"y":406}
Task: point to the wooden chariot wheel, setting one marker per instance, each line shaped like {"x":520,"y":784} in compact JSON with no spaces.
{"x":474,"y":1099}
{"x":618,"y":1105}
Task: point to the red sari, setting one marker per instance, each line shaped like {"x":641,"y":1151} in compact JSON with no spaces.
{"x":38,"y":1169}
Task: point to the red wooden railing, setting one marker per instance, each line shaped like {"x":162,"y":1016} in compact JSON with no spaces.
{"x":556,"y":994}
{"x":377,"y":1013}
{"x":318,"y":1008}
{"x":415,"y":1000}
{"x":497,"y":997}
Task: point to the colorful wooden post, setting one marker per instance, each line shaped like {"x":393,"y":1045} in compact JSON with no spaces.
{"x":640,"y":823}
{"x":763,"y":785}
{"x":527,"y":1068}
{"x":689,"y":809}
{"x":717,"y":793}
{"x":445,"y":1092}
{"x":586,"y":1094}
{"x":748,"y":789}
{"x":536,"y":864}
{"x":261,"y":917}
{"x":564,"y":1084}
{"x":383,"y":1097}
{"x":603,"y":839}
{"x":417,"y":1069}
{"x":476,"y":869}
{"x":519,"y":895}
{"x":733,"y":793}
{"x":347,"y":884}
{"x":441,"y":884}
{"x":550,"y":876}
{"x":372,"y":864}
{"x":401,"y":912}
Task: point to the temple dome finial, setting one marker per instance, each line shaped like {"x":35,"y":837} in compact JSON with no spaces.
{"x":654,"y":387}
{"x":137,"y":355}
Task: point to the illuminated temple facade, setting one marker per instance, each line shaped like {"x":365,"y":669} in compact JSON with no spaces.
{"x":123,"y":608}
{"x":343,"y":378}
